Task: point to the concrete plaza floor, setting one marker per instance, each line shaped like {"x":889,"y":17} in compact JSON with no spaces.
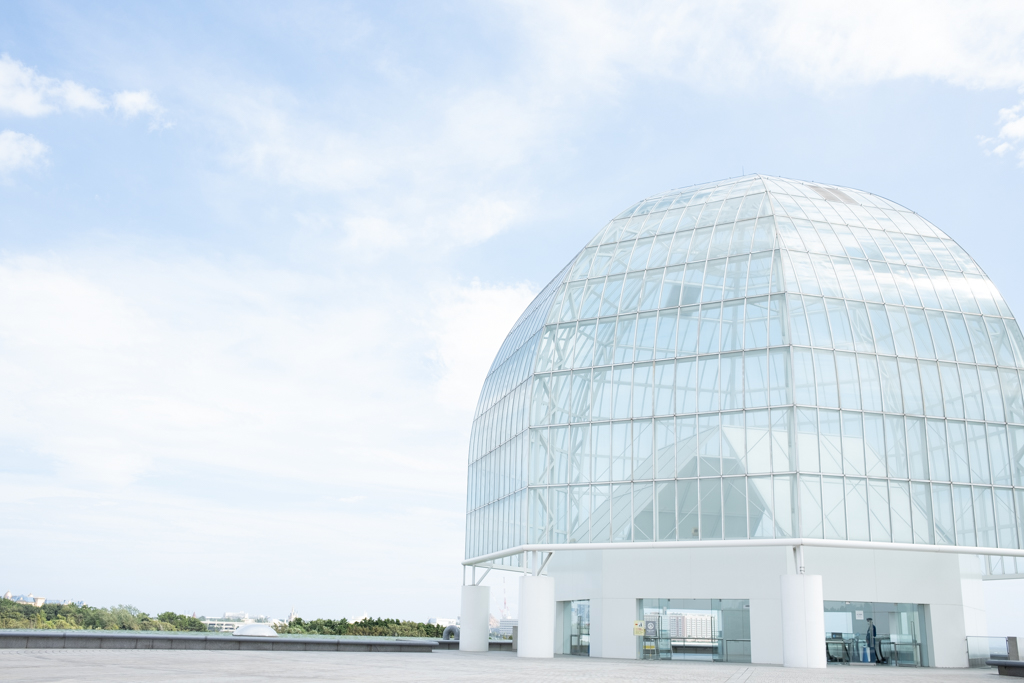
{"x":156,"y":666}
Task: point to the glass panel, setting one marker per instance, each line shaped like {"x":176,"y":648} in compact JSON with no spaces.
{"x":581,"y":465}
{"x":922,"y":335}
{"x":686,"y":448}
{"x":942,"y":507}
{"x":831,"y":442}
{"x":686,"y":385}
{"x":807,"y":439}
{"x":853,"y":443}
{"x":643,"y":390}
{"x":782,"y":439}
{"x":732,"y":326}
{"x":880,"y":326}
{"x":958,"y":460}
{"x":665,"y":448}
{"x":710,"y":327}
{"x":857,"y":509}
{"x":901,"y":334}
{"x":917,"y":450}
{"x":622,"y":519}
{"x":645,"y":336}
{"x":963,"y":515}
{"x":709,"y":445}
{"x":931,"y":388}
{"x":825,"y":374}
{"x":899,"y":505}
{"x":1006,"y":524}
{"x":874,"y":445}
{"x":711,"y":508}
{"x":600,"y":519}
{"x":780,"y":390}
{"x":984,"y":517}
{"x":892,"y":395}
{"x":999,"y":455}
{"x":785,"y":506}
{"x":803,"y":376}
{"x":643,"y":512}
{"x":977,"y":445}
{"x":643,"y":449}
{"x":896,"y":446}
{"x":666,"y":507}
{"x":664,"y":387}
{"x":688,"y":326}
{"x":622,"y":451}
{"x":579,"y":514}
{"x":911,"y":382}
{"x":922,"y":513}
{"x":878,"y":505}
{"x":734,"y":506}
{"x":810,"y":506}
{"x":979,"y":340}
{"x":817,"y":321}
{"x":870,"y":383}
{"x":940,"y":335}
{"x":687,"y":501}
{"x":758,"y":441}
{"x":760,"y":507}
{"x":849,"y":382}
{"x":834,"y":507}
{"x":621,"y":379}
{"x":952,"y":398}
{"x":625,"y":332}
{"x":666,"y":340}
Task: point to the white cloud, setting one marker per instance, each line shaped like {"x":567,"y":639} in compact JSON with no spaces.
{"x":1011,"y":132}
{"x":724,"y":45}
{"x":116,"y":366}
{"x":19,"y":150}
{"x":131,"y":103}
{"x":24,"y":92}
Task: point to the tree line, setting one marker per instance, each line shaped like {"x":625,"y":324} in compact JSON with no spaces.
{"x":75,"y":617}
{"x":363,"y":627}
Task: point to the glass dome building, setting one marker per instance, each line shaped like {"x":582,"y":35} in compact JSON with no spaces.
{"x":751,"y":360}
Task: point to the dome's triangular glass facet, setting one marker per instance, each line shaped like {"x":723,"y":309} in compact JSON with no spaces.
{"x":755,"y":358}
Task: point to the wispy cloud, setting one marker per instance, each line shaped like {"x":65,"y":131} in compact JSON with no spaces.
{"x":25,"y":92}
{"x":132,"y":103}
{"x":20,"y":150}
{"x":1011,"y":133}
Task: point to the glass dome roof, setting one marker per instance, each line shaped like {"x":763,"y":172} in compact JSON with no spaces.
{"x":755,"y":358}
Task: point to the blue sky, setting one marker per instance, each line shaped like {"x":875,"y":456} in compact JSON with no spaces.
{"x":255,"y":259}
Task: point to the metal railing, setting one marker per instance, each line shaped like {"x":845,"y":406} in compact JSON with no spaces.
{"x":983,"y":648}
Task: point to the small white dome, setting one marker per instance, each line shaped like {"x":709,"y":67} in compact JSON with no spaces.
{"x":262,"y":630}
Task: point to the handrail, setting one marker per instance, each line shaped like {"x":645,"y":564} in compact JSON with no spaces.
{"x":745,"y":543}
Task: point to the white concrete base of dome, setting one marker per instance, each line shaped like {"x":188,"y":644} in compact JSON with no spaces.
{"x":803,"y":621}
{"x":474,"y":626}
{"x":536,"y":616}
{"x":614,"y":580}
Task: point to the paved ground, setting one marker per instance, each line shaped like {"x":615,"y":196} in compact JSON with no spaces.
{"x":443,"y":667}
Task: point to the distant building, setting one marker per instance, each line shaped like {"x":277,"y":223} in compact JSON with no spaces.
{"x":232,"y":620}
{"x":505,"y":627}
{"x":222,"y":625}
{"x":26,"y":599}
{"x":439,"y":621}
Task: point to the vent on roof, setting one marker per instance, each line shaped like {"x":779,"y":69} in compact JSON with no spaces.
{"x":832,"y":194}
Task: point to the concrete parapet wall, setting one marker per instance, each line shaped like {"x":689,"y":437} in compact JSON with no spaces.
{"x":93,"y":640}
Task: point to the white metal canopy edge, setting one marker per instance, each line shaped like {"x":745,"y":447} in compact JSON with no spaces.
{"x":737,"y":543}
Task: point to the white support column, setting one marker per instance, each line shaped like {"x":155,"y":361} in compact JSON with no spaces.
{"x":474,"y":629}
{"x":536,"y":616}
{"x":803,"y":620}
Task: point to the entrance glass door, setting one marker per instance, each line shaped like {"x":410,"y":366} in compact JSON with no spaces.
{"x":578,"y":614}
{"x":702,"y":630}
{"x":889,"y":633}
